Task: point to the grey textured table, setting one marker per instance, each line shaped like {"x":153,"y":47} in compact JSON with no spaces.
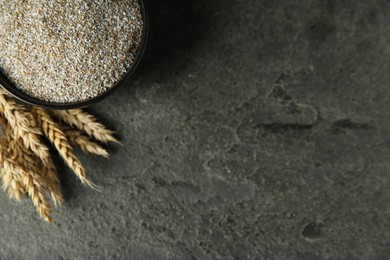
{"x":253,"y":129}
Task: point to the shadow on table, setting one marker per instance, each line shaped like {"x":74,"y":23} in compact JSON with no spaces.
{"x":175,"y":28}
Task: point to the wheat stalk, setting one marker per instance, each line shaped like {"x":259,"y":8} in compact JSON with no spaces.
{"x":17,"y":190}
{"x":7,"y":169}
{"x":29,"y":161}
{"x":35,"y":189}
{"x":12,"y":185}
{"x":86,"y":123}
{"x":26,"y":165}
{"x":53,"y":182}
{"x":9,"y":183}
{"x":22,"y":127}
{"x":61,"y":143}
{"x":33,"y":183}
{"x":9,"y":165}
{"x":77,"y":139}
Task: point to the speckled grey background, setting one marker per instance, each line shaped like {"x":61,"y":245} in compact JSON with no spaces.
{"x":254,"y":129}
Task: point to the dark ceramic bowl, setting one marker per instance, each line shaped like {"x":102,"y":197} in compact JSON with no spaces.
{"x":20,"y":95}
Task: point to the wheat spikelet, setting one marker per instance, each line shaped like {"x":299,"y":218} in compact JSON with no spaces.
{"x":17,"y":190}
{"x":85,"y":122}
{"x":13,"y":185}
{"x":6,"y":174}
{"x":10,"y":166}
{"x":10,"y":182}
{"x":53,"y":182}
{"x":35,"y":189}
{"x":77,"y":139}
{"x":11,"y":169}
{"x":7,"y":178}
{"x":33,"y":183}
{"x":23,"y":128}
{"x":20,"y":162}
{"x":48,"y":171}
{"x":29,"y":160}
{"x":60,"y":142}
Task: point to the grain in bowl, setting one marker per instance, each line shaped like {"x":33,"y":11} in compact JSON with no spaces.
{"x":63,"y":51}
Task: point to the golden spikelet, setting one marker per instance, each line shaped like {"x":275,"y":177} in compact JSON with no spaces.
{"x":87,"y":123}
{"x":33,"y":183}
{"x":6,"y":174}
{"x":21,"y":126}
{"x":9,"y":164}
{"x":35,"y":189}
{"x":77,"y":139}
{"x":17,"y":190}
{"x":8,"y":180}
{"x":60,"y":142}
{"x":53,"y":182}
{"x":12,"y":185}
{"x":30,"y":162}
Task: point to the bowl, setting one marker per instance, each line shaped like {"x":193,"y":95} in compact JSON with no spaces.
{"x":27,"y":99}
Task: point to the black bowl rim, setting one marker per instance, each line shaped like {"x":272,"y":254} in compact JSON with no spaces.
{"x":27,"y":99}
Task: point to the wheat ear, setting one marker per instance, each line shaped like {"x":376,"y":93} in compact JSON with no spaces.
{"x":48,"y":171}
{"x":18,"y":191}
{"x":36,"y":191}
{"x":29,"y":160}
{"x":9,"y":181}
{"x":8,"y":169}
{"x":53,"y":183}
{"x":33,"y":183}
{"x":77,"y":139}
{"x":12,"y":185}
{"x":60,"y":142}
{"x":21,"y":126}
{"x":87,"y":123}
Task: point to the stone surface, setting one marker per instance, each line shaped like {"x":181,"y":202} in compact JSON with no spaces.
{"x":252,"y":130}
